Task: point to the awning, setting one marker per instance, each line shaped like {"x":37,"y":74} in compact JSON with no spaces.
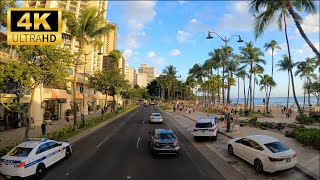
{"x":80,"y":95}
{"x":94,"y":97}
{"x":60,"y":94}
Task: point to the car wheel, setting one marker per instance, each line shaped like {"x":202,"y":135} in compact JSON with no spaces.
{"x":258,"y":165}
{"x":41,"y":171}
{"x":68,"y":153}
{"x":230,"y":149}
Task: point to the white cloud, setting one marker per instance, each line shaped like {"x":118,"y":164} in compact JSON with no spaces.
{"x":306,"y":47}
{"x":151,"y":54}
{"x":182,"y":36}
{"x":182,"y":2}
{"x":300,"y":51}
{"x":175,"y":52}
{"x":139,"y":13}
{"x":310,"y":23}
{"x":133,"y":40}
{"x":160,"y":61}
{"x":127,"y":53}
{"x":238,"y":18}
{"x":195,"y":26}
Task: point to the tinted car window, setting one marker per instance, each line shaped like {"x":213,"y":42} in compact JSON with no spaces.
{"x":20,"y":152}
{"x":203,"y":125}
{"x":163,"y":136}
{"x":276,"y":147}
{"x":43,"y":148}
{"x":157,"y":115}
{"x":255,"y":145}
{"x":52,"y":144}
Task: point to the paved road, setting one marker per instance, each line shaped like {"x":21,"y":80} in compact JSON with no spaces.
{"x":120,"y":150}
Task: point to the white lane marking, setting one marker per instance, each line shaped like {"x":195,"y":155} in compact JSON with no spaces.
{"x":138,"y":142}
{"x":102,"y":142}
{"x":128,"y":177}
{"x":143,"y":121}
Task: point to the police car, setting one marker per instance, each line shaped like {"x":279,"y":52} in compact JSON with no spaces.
{"x":33,"y":157}
{"x":206,"y":127}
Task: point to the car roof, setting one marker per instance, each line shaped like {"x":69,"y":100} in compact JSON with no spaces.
{"x":31,"y":143}
{"x":156,"y":113}
{"x":263,"y":139}
{"x":163,"y":131}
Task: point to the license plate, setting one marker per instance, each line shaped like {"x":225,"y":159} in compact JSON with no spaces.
{"x":167,"y":147}
{"x":203,"y":131}
{"x":9,"y":177}
{"x":288,"y":160}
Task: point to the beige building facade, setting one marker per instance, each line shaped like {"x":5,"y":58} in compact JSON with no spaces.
{"x":142,"y":80}
{"x":50,"y":103}
{"x":130,"y":75}
{"x":149,"y":71}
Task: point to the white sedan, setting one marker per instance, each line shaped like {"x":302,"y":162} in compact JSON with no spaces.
{"x":264,"y":152}
{"x":33,"y":157}
{"x":155,"y":118}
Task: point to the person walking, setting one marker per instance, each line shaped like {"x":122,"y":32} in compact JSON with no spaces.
{"x":43,"y":128}
{"x":236,"y":124}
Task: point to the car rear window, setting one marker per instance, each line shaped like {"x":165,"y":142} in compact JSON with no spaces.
{"x":276,"y":147}
{"x":163,"y":136}
{"x":156,"y":115}
{"x":20,"y":152}
{"x":203,"y":125}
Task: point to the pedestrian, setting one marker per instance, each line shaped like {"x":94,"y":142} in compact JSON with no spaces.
{"x":43,"y":128}
{"x":236,"y":124}
{"x":222,"y":118}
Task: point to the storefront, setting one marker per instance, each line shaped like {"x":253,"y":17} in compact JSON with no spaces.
{"x":53,"y":104}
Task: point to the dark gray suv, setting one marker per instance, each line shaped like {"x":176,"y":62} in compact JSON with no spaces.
{"x":164,"y":141}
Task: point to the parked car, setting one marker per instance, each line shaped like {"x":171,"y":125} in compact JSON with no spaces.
{"x":206,"y":127}
{"x":264,"y":152}
{"x":33,"y":156}
{"x":164,"y":141}
{"x":155,"y":118}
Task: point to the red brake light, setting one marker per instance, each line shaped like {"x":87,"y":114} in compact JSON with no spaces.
{"x":275,"y":159}
{"x":175,"y":143}
{"x":20,"y":165}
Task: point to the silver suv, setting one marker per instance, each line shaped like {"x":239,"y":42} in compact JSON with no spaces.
{"x":164,"y":141}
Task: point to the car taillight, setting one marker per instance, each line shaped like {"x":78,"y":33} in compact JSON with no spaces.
{"x":156,"y":143}
{"x":275,"y":159}
{"x":210,"y":129}
{"x":195,"y":129}
{"x":175,"y":143}
{"x":20,"y":165}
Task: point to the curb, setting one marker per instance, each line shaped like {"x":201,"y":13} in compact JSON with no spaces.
{"x":299,"y":167}
{"x":87,"y":132}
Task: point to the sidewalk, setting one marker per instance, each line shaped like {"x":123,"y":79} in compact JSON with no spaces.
{"x":12,"y":136}
{"x":308,"y":158}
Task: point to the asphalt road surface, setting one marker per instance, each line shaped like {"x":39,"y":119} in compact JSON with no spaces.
{"x":120,"y":150}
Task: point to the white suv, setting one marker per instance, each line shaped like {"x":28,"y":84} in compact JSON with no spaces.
{"x":206,"y":127}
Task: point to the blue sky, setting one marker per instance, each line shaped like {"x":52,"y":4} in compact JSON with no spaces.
{"x":174,"y":32}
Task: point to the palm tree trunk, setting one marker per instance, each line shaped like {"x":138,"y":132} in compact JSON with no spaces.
{"x":244,"y":91}
{"x":267,"y":100}
{"x":238,"y":92}
{"x":304,"y":95}
{"x":223,"y":85}
{"x":288,"y":89}
{"x":254,"y":89}
{"x":309,"y":100}
{"x":229,"y":86}
{"x":266,"y":90}
{"x":26,"y":133}
{"x":292,"y":81}
{"x":291,"y":11}
{"x":250,"y":86}
{"x":218,"y":87}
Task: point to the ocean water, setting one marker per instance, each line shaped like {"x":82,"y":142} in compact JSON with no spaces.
{"x":278,"y":100}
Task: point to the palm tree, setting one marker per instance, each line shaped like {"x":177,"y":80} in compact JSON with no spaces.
{"x":271,"y":45}
{"x":251,"y":57}
{"x":241,"y":73}
{"x":266,"y":83}
{"x":305,"y":70}
{"x":216,"y":56}
{"x":89,"y":26}
{"x":197,"y":72}
{"x":226,"y":51}
{"x":231,"y":68}
{"x":257,"y":69}
{"x":265,"y":10}
{"x":170,"y":73}
{"x":114,"y":57}
{"x":190,"y":82}
{"x":286,"y":65}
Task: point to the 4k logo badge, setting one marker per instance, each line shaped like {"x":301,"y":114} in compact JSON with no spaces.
{"x":34,"y":26}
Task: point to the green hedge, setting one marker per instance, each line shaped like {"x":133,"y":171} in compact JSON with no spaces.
{"x":304,"y":119}
{"x":166,"y":108}
{"x":308,"y":136}
{"x":68,"y":131}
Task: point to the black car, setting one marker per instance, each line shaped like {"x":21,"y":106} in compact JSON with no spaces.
{"x":164,"y":141}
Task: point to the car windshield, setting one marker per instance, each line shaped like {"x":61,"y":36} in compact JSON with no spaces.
{"x":20,"y":152}
{"x":276,"y":147}
{"x":163,"y":136}
{"x":204,"y":125}
{"x":157,"y":115}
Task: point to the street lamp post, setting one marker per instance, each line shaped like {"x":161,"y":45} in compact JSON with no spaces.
{"x":225,"y":40}
{"x":84,"y":78}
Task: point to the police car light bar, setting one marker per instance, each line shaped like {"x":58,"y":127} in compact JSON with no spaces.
{"x":201,"y":119}
{"x":37,"y":139}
